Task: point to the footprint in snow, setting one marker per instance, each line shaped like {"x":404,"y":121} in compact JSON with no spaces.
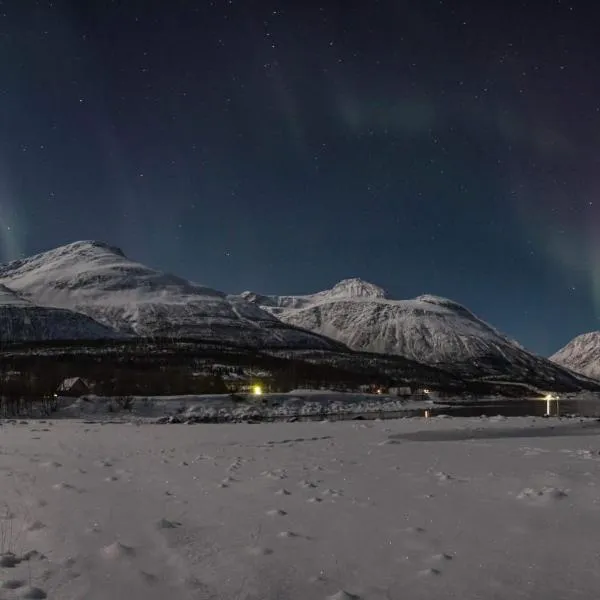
{"x":166,"y":524}
{"x":8,"y":560}
{"x":149,"y":578}
{"x":415,"y":530}
{"x":343,"y":595}
{"x":288,"y":534}
{"x":429,"y":572}
{"x":277,"y":474}
{"x":32,"y":593}
{"x":50,"y":465}
{"x":259,"y":551}
{"x":276,"y":512}
{"x":117,"y":551}
{"x":63,"y":485}
{"x":545,"y":495}
{"x":12,"y":584}
{"x":36,"y":526}
{"x":282,"y":492}
{"x":305,"y":483}
{"x":442,"y":557}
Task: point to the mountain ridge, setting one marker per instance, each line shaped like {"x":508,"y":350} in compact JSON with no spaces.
{"x":581,"y":354}
{"x":98,"y":280}
{"x":433,"y":330}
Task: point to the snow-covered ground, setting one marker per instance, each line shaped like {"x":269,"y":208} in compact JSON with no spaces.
{"x":295,"y":403}
{"x":408,"y":509}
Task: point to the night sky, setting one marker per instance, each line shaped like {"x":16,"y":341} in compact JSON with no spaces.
{"x":434,"y":147}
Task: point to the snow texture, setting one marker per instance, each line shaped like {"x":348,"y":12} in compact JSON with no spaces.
{"x":23,"y":321}
{"x":419,"y":509}
{"x":581,"y":355}
{"x":97,"y":280}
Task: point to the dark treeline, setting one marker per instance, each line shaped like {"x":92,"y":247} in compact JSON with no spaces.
{"x":33,"y":374}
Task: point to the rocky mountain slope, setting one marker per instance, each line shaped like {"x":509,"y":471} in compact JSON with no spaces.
{"x":97,"y":280}
{"x":433,"y":330}
{"x":23,"y":321}
{"x":581,"y":355}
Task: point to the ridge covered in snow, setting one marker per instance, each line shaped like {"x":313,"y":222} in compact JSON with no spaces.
{"x":98,"y":280}
{"x":23,"y":321}
{"x":582,"y":355}
{"x":430,"y":329}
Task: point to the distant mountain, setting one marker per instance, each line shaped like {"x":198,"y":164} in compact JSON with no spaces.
{"x":433,"y":330}
{"x":23,"y":321}
{"x":581,"y":355}
{"x":98,"y":280}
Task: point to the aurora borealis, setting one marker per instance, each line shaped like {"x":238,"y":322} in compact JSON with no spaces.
{"x":440,"y":147}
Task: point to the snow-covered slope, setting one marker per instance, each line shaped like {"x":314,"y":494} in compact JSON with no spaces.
{"x":98,"y":280}
{"x":433,"y":330}
{"x":581,"y":355}
{"x":23,"y":321}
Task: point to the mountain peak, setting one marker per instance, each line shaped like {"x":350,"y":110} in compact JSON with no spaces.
{"x":87,"y":245}
{"x":357,"y":288}
{"x":581,"y":354}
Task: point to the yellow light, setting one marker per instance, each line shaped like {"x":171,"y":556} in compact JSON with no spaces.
{"x":257,"y":390}
{"x":380,"y":391}
{"x":427,"y":414}
{"x":426,"y":391}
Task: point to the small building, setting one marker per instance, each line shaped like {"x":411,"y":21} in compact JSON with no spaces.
{"x":73,"y":386}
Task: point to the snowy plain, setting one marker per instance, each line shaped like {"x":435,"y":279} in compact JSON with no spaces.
{"x":380,"y":510}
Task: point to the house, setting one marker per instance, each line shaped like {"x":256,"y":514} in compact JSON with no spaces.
{"x":73,"y":386}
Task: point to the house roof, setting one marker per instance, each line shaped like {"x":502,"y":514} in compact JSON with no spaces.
{"x":71,"y":382}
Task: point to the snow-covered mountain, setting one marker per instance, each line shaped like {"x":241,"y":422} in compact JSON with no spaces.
{"x":433,"y":330}
{"x":98,"y":280}
{"x":581,"y":355}
{"x":23,"y":321}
